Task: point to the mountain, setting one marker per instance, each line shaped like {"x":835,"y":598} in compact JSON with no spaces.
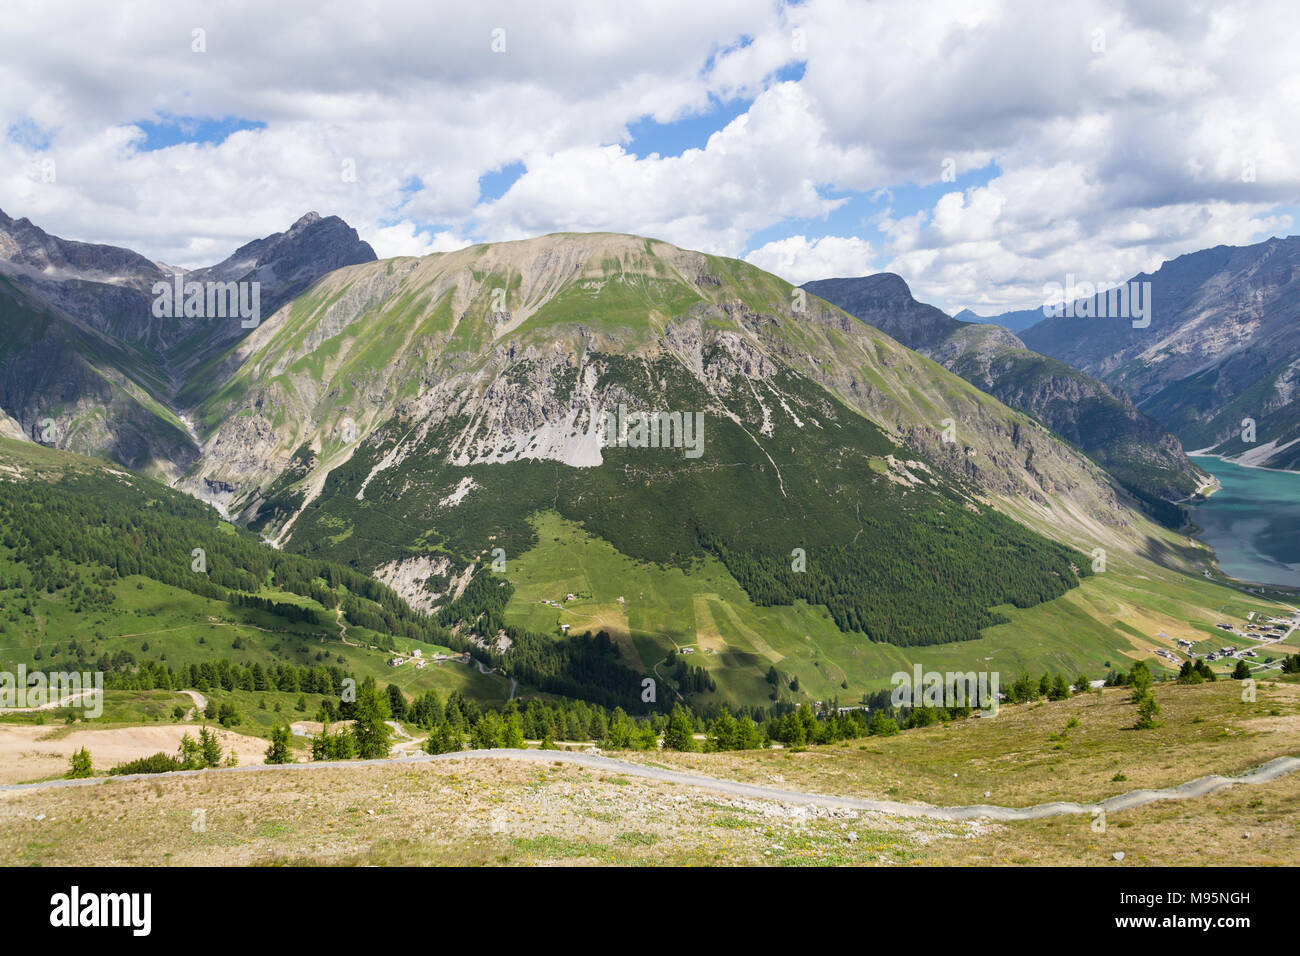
{"x":826,"y":505}
{"x":283,"y":265}
{"x":85,"y":354}
{"x":1100,"y":419}
{"x":1016,"y":321}
{"x":1223,"y":346}
{"x":440,"y":423}
{"x":512,"y":348}
{"x":287,"y":262}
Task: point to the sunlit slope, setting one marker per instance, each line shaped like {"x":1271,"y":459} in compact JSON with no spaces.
{"x":515,"y":340}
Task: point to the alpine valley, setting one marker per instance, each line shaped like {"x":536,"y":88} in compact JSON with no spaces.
{"x":412,"y":454}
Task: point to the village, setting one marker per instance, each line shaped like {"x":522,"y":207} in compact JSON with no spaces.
{"x":1267,"y":632}
{"x":417,"y":658}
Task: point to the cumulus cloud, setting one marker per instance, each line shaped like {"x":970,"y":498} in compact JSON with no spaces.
{"x":1122,"y":133}
{"x":798,"y":259}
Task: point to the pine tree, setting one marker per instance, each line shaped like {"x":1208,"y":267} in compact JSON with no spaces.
{"x":679,"y":734}
{"x":209,"y":748}
{"x":444,"y":738}
{"x":514,"y":732}
{"x":278,"y":752}
{"x":1148,"y":710}
{"x":81,"y":766}
{"x":372,"y":735}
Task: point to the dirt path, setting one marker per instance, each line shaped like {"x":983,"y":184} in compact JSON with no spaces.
{"x":1127,"y":801}
{"x":200,"y":703}
{"x":343,"y":628}
{"x":514,"y":684}
{"x":52,"y":705}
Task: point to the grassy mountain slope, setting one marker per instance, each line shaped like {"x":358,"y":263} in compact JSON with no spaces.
{"x":423,"y":418}
{"x":97,"y":563}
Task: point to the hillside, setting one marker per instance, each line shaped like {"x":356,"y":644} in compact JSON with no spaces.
{"x":1220,"y":349}
{"x":1100,"y":419}
{"x":411,"y":417}
{"x":87,"y":365}
{"x":566,"y":809}
{"x":98,"y":567}
{"x":842,"y":506}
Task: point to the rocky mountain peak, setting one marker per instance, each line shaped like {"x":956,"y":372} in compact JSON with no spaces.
{"x":885,"y":301}
{"x":287,"y":262}
{"x":27,"y":248}
{"x":303,"y":222}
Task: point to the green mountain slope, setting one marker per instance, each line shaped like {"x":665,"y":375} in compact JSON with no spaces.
{"x":422,"y":419}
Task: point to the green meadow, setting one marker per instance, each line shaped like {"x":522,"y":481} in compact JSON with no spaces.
{"x":1113,"y":618}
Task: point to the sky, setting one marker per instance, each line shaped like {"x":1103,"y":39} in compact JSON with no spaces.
{"x":981,"y":150}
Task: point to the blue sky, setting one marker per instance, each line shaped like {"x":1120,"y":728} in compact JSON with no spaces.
{"x":1099,"y":160}
{"x":173,"y":130}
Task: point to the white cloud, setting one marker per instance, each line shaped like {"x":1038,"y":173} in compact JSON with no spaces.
{"x":1110,"y":159}
{"x":798,"y":259}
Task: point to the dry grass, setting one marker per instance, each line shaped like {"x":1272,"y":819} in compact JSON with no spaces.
{"x":498,"y":813}
{"x":1012,"y":757}
{"x":512,"y":813}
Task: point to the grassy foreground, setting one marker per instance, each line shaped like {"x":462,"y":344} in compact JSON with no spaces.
{"x":512,"y":813}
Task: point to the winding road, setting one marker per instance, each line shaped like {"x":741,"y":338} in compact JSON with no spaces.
{"x":1199,"y":787}
{"x":514,"y":684}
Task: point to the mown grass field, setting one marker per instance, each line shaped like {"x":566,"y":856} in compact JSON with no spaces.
{"x":1117,"y":616}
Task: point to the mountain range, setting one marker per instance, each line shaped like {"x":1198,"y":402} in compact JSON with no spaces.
{"x":84,"y":353}
{"x":1098,"y":418}
{"x":866,"y":479}
{"x":1221,"y":350}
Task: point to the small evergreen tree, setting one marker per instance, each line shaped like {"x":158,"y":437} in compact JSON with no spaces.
{"x":278,"y":752}
{"x":1148,"y":710}
{"x":81,"y":766}
{"x":209,"y":748}
{"x":679,"y":734}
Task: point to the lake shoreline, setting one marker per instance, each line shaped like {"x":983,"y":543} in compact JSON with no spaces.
{"x":1229,"y":461}
{"x":1251,"y":523}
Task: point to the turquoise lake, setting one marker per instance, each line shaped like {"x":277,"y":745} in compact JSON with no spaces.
{"x":1253,"y":522}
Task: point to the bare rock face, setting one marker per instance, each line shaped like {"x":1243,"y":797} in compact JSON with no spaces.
{"x":885,"y":301}
{"x":27,"y":246}
{"x":287,"y":262}
{"x":90,"y":356}
{"x":1221,"y":346}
